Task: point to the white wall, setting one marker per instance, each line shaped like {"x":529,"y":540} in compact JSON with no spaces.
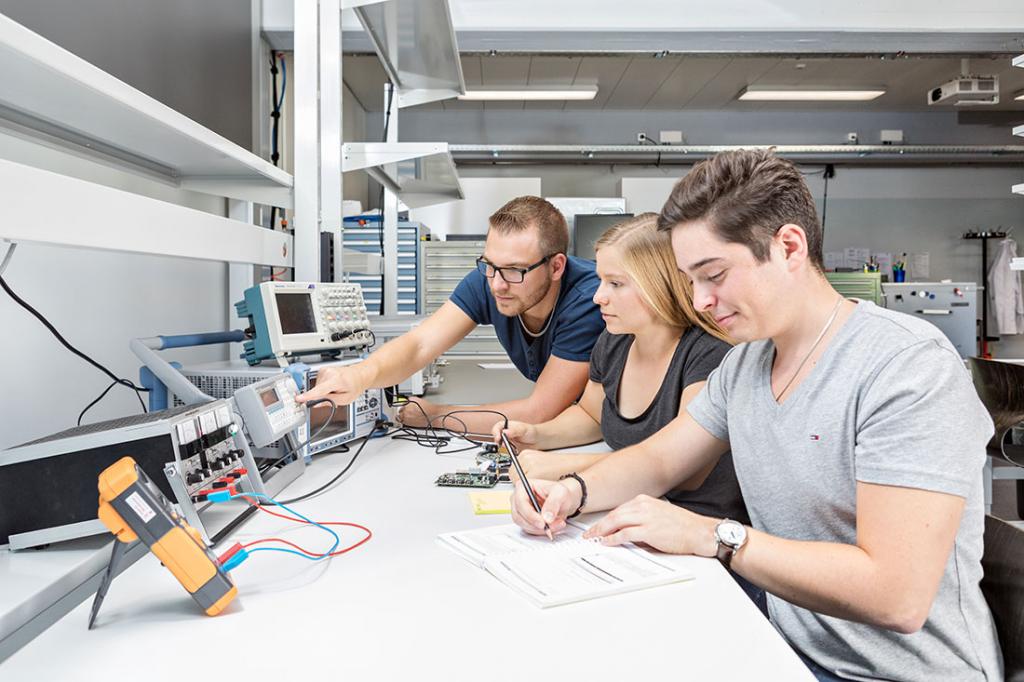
{"x":98,"y":301}
{"x":195,"y":57}
{"x":912,"y":209}
{"x":484,"y":196}
{"x":353,"y":129}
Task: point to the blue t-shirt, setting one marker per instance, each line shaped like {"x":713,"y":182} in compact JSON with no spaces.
{"x":573,"y":330}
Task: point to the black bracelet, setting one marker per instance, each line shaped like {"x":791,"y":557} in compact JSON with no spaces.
{"x":583,"y":490}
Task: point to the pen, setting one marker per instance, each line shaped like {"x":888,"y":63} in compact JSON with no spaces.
{"x":514,"y":456}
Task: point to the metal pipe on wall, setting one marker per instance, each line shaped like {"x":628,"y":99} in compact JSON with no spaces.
{"x":473,"y":154}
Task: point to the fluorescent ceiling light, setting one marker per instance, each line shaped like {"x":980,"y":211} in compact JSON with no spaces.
{"x":1019,"y":96}
{"x":755,"y":93}
{"x":532,"y":93}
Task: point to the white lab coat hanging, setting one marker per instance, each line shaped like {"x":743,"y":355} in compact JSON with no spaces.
{"x":1004,"y":291}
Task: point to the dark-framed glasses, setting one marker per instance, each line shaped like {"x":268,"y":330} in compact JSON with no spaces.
{"x":510,"y":275}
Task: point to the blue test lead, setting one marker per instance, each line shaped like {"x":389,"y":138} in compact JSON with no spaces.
{"x":235,"y":559}
{"x":221,"y":496}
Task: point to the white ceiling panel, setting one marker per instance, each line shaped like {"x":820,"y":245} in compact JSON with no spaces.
{"x":721,"y":91}
{"x":504,"y":71}
{"x":697,"y":82}
{"x":471,"y":74}
{"x":689,"y":78}
{"x":605,"y":73}
{"x":642,"y":79}
{"x":552,"y":71}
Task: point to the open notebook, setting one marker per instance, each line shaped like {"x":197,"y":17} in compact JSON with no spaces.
{"x":570,"y":569}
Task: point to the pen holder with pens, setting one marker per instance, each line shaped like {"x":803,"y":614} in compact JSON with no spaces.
{"x":899,"y":275}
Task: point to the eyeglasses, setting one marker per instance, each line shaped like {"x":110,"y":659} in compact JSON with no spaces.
{"x":510,"y":275}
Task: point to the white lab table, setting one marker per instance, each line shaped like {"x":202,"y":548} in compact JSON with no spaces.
{"x":401,"y":606}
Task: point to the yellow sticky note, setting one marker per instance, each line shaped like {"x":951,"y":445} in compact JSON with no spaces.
{"x":491,"y":502}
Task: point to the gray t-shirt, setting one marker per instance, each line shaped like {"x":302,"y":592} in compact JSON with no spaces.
{"x":888,"y":403}
{"x":697,"y":354}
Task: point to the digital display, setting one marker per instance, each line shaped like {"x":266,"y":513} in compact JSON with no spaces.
{"x":269,"y":397}
{"x":319,"y":413}
{"x":295,"y":311}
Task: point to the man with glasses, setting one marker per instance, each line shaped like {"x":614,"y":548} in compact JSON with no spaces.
{"x":539,"y":300}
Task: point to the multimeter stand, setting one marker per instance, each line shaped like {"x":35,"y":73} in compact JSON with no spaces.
{"x":116,"y":555}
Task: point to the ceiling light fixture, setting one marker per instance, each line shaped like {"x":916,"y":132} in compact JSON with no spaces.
{"x":575,"y":92}
{"x":754,"y":93}
{"x":1019,"y":96}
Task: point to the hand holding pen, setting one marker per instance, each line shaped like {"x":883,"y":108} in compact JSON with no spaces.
{"x":525,"y":483}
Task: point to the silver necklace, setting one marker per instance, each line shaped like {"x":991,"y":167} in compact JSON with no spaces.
{"x":824,"y":330}
{"x":546,"y":324}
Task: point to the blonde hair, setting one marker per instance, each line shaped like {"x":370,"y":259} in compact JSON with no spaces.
{"x":648,"y":259}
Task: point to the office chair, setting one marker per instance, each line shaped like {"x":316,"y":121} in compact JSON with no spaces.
{"x":1000,"y":386}
{"x":1003,"y":587}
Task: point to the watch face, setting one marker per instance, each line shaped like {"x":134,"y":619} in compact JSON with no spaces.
{"x":732,"y":533}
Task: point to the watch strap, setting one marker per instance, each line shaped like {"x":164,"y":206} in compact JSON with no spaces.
{"x":725,"y":553}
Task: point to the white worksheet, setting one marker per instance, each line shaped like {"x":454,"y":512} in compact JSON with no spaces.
{"x":567,"y":570}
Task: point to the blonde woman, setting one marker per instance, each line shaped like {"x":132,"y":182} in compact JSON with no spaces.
{"x":653,"y":357}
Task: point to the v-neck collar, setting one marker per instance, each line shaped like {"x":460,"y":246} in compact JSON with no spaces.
{"x":796,"y":394}
{"x":661,"y":388}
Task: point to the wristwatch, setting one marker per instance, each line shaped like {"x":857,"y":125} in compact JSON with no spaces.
{"x":730,"y":536}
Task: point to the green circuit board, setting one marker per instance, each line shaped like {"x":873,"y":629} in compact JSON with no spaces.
{"x":501,"y":459}
{"x":484,"y":479}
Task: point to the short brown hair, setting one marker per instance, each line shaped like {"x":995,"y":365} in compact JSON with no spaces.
{"x":746,"y":196}
{"x":524,"y":212}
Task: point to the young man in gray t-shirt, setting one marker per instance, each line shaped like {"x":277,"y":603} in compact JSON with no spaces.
{"x":857,"y":437}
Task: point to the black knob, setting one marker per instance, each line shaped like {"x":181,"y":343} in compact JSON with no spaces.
{"x":193,"y":478}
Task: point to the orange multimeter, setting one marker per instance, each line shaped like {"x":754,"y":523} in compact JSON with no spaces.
{"x":135,"y":509}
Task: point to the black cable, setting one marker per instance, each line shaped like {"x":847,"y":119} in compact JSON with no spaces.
{"x":432,"y":438}
{"x":325,"y":486}
{"x":275,"y":116}
{"x":89,"y":406}
{"x":39,"y":316}
{"x":830,"y":172}
{"x":275,"y":110}
{"x":380,"y":223}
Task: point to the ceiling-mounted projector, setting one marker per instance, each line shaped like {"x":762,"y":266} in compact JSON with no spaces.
{"x":966,"y":91}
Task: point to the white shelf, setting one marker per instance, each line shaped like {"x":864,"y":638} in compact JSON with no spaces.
{"x":420,"y":173}
{"x":50,"y":208}
{"x":415,"y":42}
{"x":51,"y":91}
{"x":362,"y":262}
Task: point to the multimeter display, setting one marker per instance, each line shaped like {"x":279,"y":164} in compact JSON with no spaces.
{"x":295,"y":311}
